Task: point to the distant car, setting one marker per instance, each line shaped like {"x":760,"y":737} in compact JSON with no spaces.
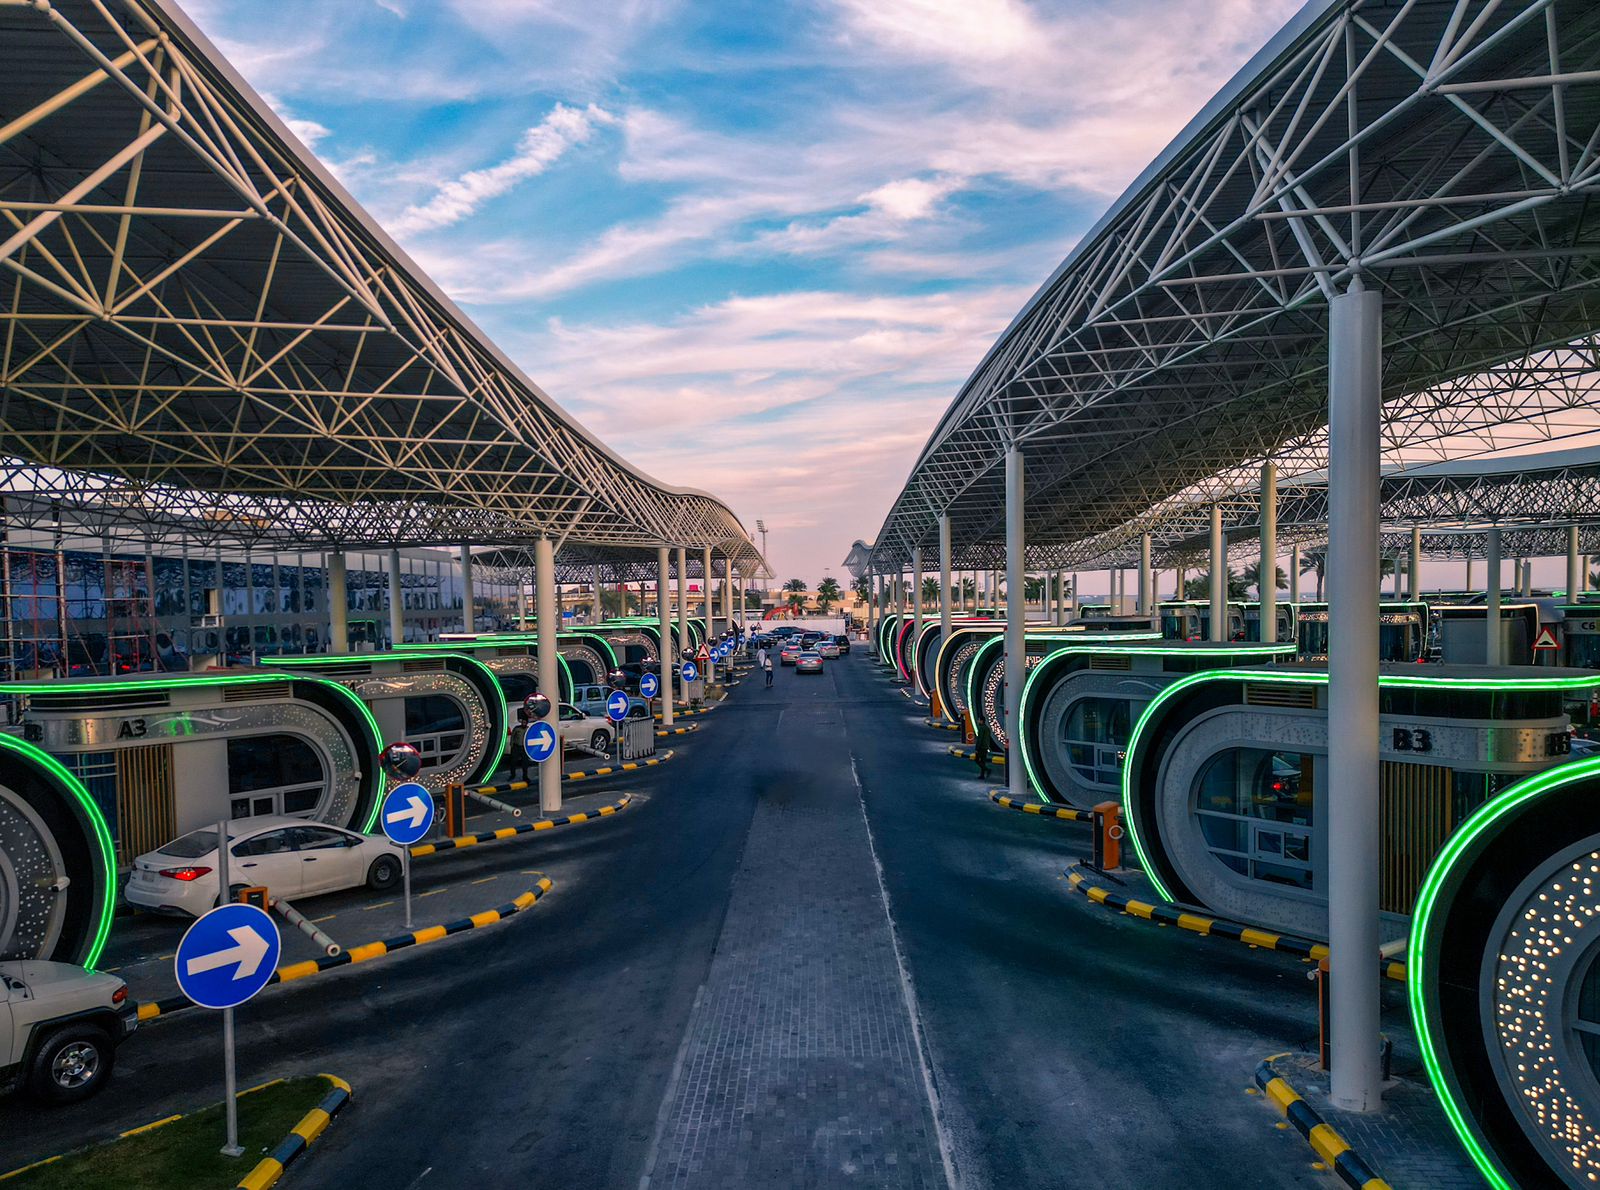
{"x":290,"y":856}
{"x":829,"y":648}
{"x":60,"y":1026}
{"x":808,"y":662}
{"x":592,"y":700}
{"x":788,"y":653}
{"x":843,"y":642}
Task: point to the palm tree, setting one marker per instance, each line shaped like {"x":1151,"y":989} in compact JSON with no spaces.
{"x":930,"y":590}
{"x":796,"y":587}
{"x":1252,"y":578}
{"x":1315,"y":561}
{"x":1200,"y":587}
{"x":828,"y":594}
{"x":863,"y":588}
{"x":1033,"y":588}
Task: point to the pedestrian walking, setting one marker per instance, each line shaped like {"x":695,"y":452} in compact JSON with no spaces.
{"x":514,"y":746}
{"x":767,"y":665}
{"x":761,"y":657}
{"x":980,"y":751}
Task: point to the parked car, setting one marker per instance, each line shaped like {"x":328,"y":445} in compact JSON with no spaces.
{"x":291,"y":857}
{"x":594,"y":731}
{"x":808,"y":662}
{"x":591,"y":700}
{"x":827,"y":647}
{"x":60,"y":1026}
{"x":788,"y":653}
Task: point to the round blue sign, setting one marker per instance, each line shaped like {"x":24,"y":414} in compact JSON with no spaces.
{"x":649,"y":685}
{"x":539,"y":741}
{"x":617,"y":706}
{"x":227,"y":956}
{"x":690,"y":673}
{"x":407,"y":813}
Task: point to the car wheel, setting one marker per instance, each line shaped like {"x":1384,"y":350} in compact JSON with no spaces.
{"x":384,"y":873}
{"x":600,"y":741}
{"x":71,"y":1064}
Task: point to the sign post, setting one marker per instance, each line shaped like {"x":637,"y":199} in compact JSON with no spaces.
{"x":617,"y":703}
{"x":226,"y":957}
{"x":407,"y":816}
{"x":649,"y":687}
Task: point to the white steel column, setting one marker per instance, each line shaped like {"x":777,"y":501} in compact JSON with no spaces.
{"x":1219,"y":577}
{"x":1016,"y":639}
{"x":916,"y":609}
{"x":338,"y":605}
{"x":548,"y":613}
{"x":1295,"y":562}
{"x":1491,"y":585}
{"x":1574,"y":574}
{"x":599,"y":612}
{"x":1355,"y":344}
{"x":397,"y":618}
{"x":468,"y":619}
{"x":944,"y":577}
{"x":1267,"y":571}
{"x":681,"y":558}
{"x":711,"y":612}
{"x":1147,"y":579}
{"x":664,"y":618}
{"x":1416,"y":562}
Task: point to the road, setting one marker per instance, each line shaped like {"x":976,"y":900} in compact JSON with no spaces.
{"x":713,"y":993}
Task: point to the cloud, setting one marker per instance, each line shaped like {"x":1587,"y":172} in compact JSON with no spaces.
{"x":540,"y":147}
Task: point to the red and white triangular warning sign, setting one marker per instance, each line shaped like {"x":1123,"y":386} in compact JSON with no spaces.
{"x":1546,"y":638}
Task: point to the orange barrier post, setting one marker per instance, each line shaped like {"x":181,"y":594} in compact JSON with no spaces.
{"x":1108,"y":836}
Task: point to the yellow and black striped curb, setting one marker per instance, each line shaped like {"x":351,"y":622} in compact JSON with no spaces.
{"x":663,"y":732}
{"x":626,"y":767}
{"x":684,"y":713}
{"x":942,"y":725}
{"x":311,"y":1126}
{"x":372,"y":950}
{"x":1332,"y":1148}
{"x":1216,"y":927}
{"x":1065,"y":813}
{"x":457,"y":842}
{"x":970,"y":754}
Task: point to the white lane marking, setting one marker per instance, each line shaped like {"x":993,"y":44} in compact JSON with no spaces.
{"x":946,"y":1154}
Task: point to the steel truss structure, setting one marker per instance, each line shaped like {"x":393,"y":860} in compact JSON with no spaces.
{"x":579,"y":562}
{"x":200,"y":329}
{"x":1446,"y":152}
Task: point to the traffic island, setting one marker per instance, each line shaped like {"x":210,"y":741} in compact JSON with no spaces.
{"x":1333,"y":1151}
{"x":663,"y":732}
{"x":996,"y":758}
{"x":1062,"y":813}
{"x":942,"y":724}
{"x":277,"y":1121}
{"x":612,"y":769}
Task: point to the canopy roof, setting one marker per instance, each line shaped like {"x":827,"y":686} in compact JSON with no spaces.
{"x":203,"y":326}
{"x":1445,"y":152}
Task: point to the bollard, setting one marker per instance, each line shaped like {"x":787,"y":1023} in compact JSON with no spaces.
{"x":1324,"y":1058}
{"x":492,"y":803}
{"x":1108,"y":836}
{"x":295,"y":918}
{"x":967,"y":733}
{"x":455,"y":810}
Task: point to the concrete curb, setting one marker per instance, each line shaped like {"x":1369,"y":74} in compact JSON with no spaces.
{"x":663,"y":732}
{"x":942,"y":725}
{"x":151,"y":1010}
{"x":1215,"y":927}
{"x":1332,"y":1148}
{"x":457,"y":842}
{"x":312,"y":1125}
{"x":685,"y":713}
{"x":1064,"y":813}
{"x":969,"y":754}
{"x":626,"y":767}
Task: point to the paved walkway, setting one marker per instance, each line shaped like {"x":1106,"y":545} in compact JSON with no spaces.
{"x":800,"y":1063}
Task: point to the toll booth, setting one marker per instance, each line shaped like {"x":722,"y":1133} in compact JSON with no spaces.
{"x":985,"y":678}
{"x":1081,"y":700}
{"x":1459,"y":632}
{"x":1504,"y":971}
{"x":1403,"y":631}
{"x":952,"y":662}
{"x":928,"y":648}
{"x":58,"y":868}
{"x":886,"y":634}
{"x":102,"y":770}
{"x":1226,"y":779}
{"x":1180,"y":619}
{"x":1286,"y":622}
{"x":449,"y":706}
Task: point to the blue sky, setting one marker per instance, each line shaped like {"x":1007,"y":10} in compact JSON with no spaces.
{"x":756,"y":247}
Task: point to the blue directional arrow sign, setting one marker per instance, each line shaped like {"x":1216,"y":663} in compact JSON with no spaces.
{"x":617,"y":706}
{"x":539,"y":741}
{"x":690,"y":673}
{"x":649,"y":685}
{"x":227,"y":956}
{"x":407,"y":813}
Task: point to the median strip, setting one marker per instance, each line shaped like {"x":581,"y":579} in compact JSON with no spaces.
{"x":1332,"y":1148}
{"x":663,"y":732}
{"x":629,"y":767}
{"x":942,"y":724}
{"x":970,"y":754}
{"x":1065,"y":813}
{"x":458,"y":842}
{"x":311,"y":1125}
{"x":151,"y":1010}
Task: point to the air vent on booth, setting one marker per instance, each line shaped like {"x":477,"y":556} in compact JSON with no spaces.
{"x":346,"y":669}
{"x":419,"y":667}
{"x":1301,"y":695}
{"x":1111,"y":661}
{"x":255,"y":691}
{"x":100,"y":700}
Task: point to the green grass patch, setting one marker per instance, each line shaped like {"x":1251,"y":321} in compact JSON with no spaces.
{"x":185,"y":1153}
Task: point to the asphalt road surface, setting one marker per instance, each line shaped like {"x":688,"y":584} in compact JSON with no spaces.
{"x":813,"y":954}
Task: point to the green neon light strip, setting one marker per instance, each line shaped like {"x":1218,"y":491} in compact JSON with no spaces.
{"x":1396,"y":681}
{"x":998,"y":640}
{"x":97,"y":827}
{"x":1427,"y":905}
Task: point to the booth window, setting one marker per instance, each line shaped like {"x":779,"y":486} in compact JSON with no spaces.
{"x":516,"y":686}
{"x":273,"y":774}
{"x":1094,"y":736}
{"x":1255,"y":813}
{"x":1586,"y":1020}
{"x":437,"y":726}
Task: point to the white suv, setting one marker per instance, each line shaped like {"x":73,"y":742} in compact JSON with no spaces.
{"x":59,"y":1028}
{"x":594,"y":732}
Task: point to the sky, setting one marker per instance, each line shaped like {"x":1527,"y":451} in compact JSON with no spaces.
{"x":755,"y":247}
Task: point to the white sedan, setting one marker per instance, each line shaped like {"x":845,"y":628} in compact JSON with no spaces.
{"x":291,"y":857}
